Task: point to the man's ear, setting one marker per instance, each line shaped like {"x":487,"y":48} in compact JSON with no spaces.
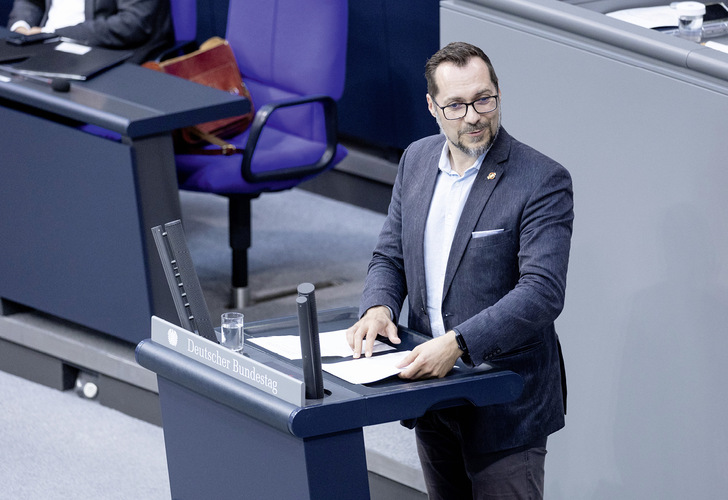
{"x":431,"y":105}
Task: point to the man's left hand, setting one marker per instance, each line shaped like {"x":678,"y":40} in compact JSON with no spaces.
{"x":432,"y":359}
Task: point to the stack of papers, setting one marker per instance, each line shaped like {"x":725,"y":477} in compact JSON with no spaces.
{"x":334,"y":344}
{"x":367,"y":370}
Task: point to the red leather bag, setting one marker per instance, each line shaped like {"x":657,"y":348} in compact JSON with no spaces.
{"x":213,"y":65}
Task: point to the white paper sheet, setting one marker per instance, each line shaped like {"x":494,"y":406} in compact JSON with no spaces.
{"x":648,"y":17}
{"x":717,"y":46}
{"x":332,"y":344}
{"x":366,"y":370}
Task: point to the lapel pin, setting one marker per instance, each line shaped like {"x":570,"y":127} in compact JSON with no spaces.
{"x":491,"y":176}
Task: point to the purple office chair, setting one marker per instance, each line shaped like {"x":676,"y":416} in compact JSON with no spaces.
{"x":184,"y":20}
{"x":292,"y":55}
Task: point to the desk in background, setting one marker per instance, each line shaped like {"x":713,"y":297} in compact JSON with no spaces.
{"x":77,"y":207}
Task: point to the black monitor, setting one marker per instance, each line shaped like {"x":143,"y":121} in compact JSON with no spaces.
{"x":195,"y":316}
{"x":182,"y":279}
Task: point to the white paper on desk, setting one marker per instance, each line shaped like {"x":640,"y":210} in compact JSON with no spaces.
{"x":648,"y":17}
{"x":73,"y":48}
{"x":367,"y":370}
{"x":331,"y":343}
{"x":717,"y":46}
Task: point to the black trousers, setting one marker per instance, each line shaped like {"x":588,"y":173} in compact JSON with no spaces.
{"x":453,"y":471}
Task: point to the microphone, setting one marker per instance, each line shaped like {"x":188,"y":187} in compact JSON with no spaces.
{"x":309,"y":337}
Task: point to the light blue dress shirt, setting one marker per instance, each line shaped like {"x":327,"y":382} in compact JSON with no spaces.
{"x":448,"y":200}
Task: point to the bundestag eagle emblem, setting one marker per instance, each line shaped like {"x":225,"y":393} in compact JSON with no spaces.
{"x":172,"y":337}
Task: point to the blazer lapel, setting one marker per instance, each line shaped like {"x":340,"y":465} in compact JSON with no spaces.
{"x":488,"y":176}
{"x":426,"y":187}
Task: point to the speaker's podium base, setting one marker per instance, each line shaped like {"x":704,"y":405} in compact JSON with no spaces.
{"x":229,"y":436}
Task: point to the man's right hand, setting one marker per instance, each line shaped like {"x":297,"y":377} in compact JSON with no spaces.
{"x":376,"y":321}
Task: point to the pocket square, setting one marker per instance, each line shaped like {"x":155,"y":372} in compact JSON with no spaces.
{"x":483,"y":234}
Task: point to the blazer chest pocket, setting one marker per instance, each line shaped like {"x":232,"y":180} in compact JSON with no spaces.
{"x":489,"y":238}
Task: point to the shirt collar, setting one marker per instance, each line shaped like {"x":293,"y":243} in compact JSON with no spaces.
{"x":445,"y":166}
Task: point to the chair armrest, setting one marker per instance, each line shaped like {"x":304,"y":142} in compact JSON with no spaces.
{"x":179,"y":48}
{"x":256,"y":128}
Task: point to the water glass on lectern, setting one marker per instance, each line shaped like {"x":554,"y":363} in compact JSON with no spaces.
{"x":231,"y":331}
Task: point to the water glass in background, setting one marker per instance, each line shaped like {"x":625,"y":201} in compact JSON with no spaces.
{"x":690,"y":22}
{"x":231,"y":331}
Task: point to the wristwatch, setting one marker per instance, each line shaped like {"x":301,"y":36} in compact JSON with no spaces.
{"x":461,"y":344}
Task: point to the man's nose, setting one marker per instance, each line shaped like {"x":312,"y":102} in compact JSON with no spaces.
{"x":471,"y":116}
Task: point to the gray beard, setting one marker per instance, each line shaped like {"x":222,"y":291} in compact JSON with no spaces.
{"x":472,"y":152}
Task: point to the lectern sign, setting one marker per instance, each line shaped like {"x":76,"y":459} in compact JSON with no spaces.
{"x":229,"y":362}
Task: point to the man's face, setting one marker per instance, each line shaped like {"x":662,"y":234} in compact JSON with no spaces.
{"x":472,"y":134}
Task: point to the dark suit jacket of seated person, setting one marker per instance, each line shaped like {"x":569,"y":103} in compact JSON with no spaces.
{"x":144,"y":26}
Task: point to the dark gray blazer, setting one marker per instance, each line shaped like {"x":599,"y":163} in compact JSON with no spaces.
{"x":144,"y":26}
{"x":502,"y":292}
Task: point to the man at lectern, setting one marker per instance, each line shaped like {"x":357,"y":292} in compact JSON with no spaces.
{"x":144,"y":26}
{"x":477,"y":238}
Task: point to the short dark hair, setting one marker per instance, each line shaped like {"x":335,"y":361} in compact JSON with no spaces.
{"x":458,"y":53}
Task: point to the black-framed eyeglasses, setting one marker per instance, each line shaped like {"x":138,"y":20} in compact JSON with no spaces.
{"x":458,"y":110}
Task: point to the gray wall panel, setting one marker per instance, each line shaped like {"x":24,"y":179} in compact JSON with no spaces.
{"x":646,"y":320}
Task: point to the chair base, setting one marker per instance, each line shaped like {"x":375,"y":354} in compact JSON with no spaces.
{"x":240,"y":297}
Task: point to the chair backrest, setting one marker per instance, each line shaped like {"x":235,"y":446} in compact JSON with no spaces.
{"x":184,"y":18}
{"x":289,"y":48}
